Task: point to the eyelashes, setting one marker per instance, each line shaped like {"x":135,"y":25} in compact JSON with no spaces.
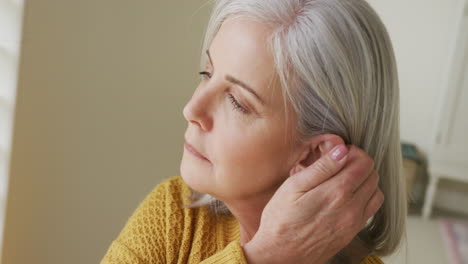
{"x":235,"y":104}
{"x":205,"y":74}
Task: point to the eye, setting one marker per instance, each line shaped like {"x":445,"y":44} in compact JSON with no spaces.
{"x":236,"y":104}
{"x":205,"y":75}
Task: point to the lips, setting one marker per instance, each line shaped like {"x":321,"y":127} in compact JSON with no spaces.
{"x":194,"y":151}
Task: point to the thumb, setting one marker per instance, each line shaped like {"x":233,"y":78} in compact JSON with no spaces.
{"x":321,"y":170}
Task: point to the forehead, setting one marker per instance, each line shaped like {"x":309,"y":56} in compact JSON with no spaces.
{"x":240,"y":49}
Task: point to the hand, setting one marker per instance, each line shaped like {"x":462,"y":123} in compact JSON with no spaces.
{"x":317,"y":211}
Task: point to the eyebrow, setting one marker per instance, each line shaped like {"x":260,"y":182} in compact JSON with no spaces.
{"x":238,"y":82}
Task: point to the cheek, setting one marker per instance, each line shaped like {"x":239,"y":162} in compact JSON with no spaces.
{"x":254,"y":158}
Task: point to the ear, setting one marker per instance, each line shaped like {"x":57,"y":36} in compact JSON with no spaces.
{"x":313,"y":149}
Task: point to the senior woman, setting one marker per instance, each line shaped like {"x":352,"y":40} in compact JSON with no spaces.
{"x":291,"y":146}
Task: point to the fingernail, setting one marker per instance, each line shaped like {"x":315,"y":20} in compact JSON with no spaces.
{"x":339,"y":152}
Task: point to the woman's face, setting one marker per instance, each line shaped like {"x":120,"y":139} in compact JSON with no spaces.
{"x":242,"y":135}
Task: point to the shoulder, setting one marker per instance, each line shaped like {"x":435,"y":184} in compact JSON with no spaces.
{"x":373,"y":259}
{"x":164,"y":200}
{"x":172,"y":182}
{"x":155,"y":220}
{"x":173,"y":186}
{"x":172,"y":190}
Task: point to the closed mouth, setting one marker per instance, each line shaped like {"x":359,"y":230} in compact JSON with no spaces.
{"x":192,"y":150}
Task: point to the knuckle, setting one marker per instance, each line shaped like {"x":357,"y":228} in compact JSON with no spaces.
{"x":362,"y":156}
{"x":380,"y":196}
{"x":343,"y":187}
{"x":375,"y":179}
{"x":357,"y":151}
{"x":377,"y":202}
{"x":368,"y":162}
{"x":353,"y":149}
{"x":359,"y":170}
{"x":340,"y":198}
{"x":321,"y":167}
{"x":371,"y":162}
{"x":342,"y":193}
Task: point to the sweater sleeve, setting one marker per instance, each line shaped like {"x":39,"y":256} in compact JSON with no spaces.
{"x":119,"y":253}
{"x":231,"y":254}
{"x":143,"y":239}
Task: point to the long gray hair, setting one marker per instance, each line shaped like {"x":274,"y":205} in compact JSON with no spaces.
{"x":337,"y":70}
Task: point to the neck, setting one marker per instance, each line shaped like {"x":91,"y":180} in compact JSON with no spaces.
{"x":248,"y":213}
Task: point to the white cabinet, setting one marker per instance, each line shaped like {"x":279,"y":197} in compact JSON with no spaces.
{"x":449,"y":155}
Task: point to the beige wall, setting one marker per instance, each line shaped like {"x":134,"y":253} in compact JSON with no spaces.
{"x":99,"y":111}
{"x":98,"y":123}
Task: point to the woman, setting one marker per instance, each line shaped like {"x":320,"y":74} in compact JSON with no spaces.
{"x":291,"y":145}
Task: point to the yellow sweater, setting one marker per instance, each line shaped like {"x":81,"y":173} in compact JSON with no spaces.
{"x":162,"y":231}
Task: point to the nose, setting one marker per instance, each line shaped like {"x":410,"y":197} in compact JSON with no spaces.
{"x":196,"y":112}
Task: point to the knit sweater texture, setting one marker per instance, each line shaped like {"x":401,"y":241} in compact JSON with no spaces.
{"x":162,"y":230}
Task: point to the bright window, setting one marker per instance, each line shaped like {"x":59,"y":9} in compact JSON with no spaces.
{"x":11,"y":13}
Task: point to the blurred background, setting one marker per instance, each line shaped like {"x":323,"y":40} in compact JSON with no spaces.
{"x":91,"y":99}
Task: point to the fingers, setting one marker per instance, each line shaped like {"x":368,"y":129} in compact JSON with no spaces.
{"x":355,"y":173}
{"x":321,"y":170}
{"x":364,"y":193}
{"x":374,"y":204}
{"x":369,"y":196}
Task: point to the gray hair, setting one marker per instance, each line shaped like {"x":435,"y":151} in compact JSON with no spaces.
{"x":337,"y":69}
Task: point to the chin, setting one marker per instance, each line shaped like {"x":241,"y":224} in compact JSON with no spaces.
{"x":195,"y":177}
